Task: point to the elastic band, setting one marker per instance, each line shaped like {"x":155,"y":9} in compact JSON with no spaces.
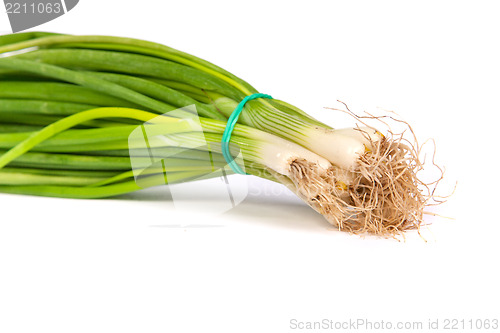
{"x":231,"y":122}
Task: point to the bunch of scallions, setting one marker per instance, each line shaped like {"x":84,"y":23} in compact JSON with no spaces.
{"x":69,"y":104}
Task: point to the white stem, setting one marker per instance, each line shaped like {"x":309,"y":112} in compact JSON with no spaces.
{"x":281,"y":153}
{"x":341,"y":150}
{"x":365,"y":135}
{"x":342,"y":147}
{"x":278,"y":153}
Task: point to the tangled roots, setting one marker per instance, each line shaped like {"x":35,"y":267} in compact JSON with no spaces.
{"x":382,"y":196}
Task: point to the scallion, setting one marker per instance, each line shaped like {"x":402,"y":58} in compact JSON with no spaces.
{"x":69,"y":104}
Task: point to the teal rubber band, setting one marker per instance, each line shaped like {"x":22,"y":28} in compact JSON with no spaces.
{"x":231,"y":122}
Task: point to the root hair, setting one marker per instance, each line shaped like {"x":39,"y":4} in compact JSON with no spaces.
{"x":382,"y":195}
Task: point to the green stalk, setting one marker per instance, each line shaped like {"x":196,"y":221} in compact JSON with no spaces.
{"x":69,"y":122}
{"x":46,"y":107}
{"x":23,"y":37}
{"x":157,"y":91}
{"x":98,"y":192}
{"x":135,"y":46}
{"x":95,"y":192}
{"x":62,"y":173}
{"x":22,"y":178}
{"x":91,"y":82}
{"x":128,"y":63}
{"x":164,"y":52}
{"x":44,"y":120}
{"x":91,"y":136}
{"x":57,"y":92}
{"x":270,"y":120}
{"x":16,"y":128}
{"x":72,"y":162}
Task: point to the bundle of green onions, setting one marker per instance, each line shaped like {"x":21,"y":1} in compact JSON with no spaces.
{"x":69,"y":104}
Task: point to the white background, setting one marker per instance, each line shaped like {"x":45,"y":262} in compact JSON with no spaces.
{"x":114,"y":266}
